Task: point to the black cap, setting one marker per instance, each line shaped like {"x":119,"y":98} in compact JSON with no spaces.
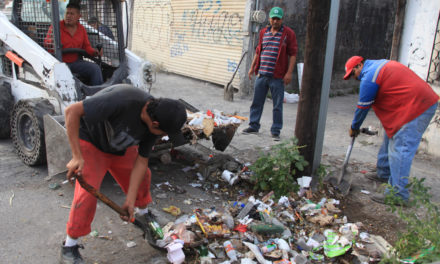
{"x":92,"y":20}
{"x":171,"y":115}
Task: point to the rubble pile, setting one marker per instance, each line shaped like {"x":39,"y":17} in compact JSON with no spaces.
{"x":300,"y":228}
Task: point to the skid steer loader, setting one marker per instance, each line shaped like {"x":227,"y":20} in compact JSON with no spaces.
{"x":36,"y":86}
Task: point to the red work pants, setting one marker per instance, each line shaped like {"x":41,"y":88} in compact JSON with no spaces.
{"x":96,"y":164}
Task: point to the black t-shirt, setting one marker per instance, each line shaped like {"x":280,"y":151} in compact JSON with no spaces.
{"x":112,"y":122}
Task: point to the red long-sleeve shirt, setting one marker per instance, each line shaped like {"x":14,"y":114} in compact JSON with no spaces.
{"x":78,"y":40}
{"x":288,"y":47}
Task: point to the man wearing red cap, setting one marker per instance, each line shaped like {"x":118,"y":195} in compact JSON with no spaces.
{"x":404,"y":103}
{"x":273,"y":62}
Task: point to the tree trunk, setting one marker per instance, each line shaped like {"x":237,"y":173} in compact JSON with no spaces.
{"x":398,"y":25}
{"x":311,"y":86}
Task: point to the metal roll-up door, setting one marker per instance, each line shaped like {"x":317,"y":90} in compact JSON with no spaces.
{"x":202,"y":39}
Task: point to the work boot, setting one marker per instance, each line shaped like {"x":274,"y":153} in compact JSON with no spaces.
{"x":71,"y":255}
{"x":250,"y":130}
{"x":381,"y":198}
{"x":374,"y":177}
{"x":276,"y":137}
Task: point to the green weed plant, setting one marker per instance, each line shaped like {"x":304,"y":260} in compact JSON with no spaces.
{"x":276,"y":170}
{"x":420,"y":241}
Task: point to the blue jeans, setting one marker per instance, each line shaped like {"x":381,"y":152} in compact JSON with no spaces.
{"x":396,"y":153}
{"x":88,"y":70}
{"x":261,"y":87}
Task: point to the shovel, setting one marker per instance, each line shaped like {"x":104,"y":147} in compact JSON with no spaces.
{"x":228,"y":92}
{"x":89,"y":188}
{"x":341,"y":183}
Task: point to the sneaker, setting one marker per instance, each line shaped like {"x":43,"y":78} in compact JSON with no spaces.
{"x":249,"y":130}
{"x":374,"y":177}
{"x":276,"y":137}
{"x":71,"y":255}
{"x":382,"y":199}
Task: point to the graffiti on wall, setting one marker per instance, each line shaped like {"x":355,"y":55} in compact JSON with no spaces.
{"x":210,"y":24}
{"x":160,"y":26}
{"x":152,"y":23}
{"x":418,"y":55}
{"x":232,"y":65}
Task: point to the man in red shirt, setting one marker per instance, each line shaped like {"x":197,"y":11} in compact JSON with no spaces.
{"x":405,"y":104}
{"x":74,"y":35}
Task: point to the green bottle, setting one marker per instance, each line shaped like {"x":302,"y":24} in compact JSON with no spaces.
{"x":157,"y":230}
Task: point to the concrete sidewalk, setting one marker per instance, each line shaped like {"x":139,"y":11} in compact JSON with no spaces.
{"x":340,"y":112}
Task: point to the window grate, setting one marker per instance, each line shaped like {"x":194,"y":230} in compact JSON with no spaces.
{"x":99,"y":18}
{"x":35,"y":19}
{"x":434,"y":66}
{"x":6,"y":66}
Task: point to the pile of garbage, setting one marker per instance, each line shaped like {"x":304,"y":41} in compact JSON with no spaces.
{"x":296,"y":229}
{"x":215,"y":124}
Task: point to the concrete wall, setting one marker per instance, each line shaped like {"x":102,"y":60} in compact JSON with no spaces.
{"x":418,"y":35}
{"x":421,"y":20}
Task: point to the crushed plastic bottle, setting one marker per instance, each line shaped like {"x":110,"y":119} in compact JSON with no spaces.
{"x":228,"y":219}
{"x":230,"y":251}
{"x":246,"y":209}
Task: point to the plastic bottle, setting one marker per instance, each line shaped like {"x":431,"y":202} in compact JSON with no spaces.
{"x":155,"y":228}
{"x":230,"y":251}
{"x":246,"y":210}
{"x":228,"y":219}
{"x":267,"y":229}
{"x":268,"y":248}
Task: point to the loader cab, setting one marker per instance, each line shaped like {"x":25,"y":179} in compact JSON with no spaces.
{"x":102,"y":20}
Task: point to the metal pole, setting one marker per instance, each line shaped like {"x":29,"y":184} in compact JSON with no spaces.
{"x":328,"y":68}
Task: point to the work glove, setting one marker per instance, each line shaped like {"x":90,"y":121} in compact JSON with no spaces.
{"x":353,"y":132}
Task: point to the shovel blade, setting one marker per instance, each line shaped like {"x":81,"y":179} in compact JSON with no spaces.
{"x":342,"y":185}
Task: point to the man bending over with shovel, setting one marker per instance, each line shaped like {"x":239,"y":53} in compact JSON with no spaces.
{"x":114,"y":131}
{"x":404,"y":104}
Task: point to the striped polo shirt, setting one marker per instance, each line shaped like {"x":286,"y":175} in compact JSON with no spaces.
{"x":269,"y":52}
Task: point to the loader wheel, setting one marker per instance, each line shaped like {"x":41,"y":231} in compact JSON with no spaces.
{"x":6,"y":103}
{"x":27,"y":129}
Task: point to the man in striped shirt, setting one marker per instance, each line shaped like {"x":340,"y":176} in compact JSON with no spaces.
{"x":404,"y":104}
{"x":273,"y":63}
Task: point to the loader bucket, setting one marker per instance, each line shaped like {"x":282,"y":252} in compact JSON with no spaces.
{"x":58,"y":152}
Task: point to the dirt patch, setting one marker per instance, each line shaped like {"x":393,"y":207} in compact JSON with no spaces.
{"x":376,"y":218}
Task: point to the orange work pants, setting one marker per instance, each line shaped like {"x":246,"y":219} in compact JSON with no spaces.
{"x":96,"y":165}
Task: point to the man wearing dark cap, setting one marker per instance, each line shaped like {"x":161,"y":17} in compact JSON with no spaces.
{"x":273,"y":62}
{"x":404,"y":104}
{"x":114,"y":131}
{"x":94,"y":22}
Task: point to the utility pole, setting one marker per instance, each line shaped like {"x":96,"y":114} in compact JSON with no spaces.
{"x":306,"y":128}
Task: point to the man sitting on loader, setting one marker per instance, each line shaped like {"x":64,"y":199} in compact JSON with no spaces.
{"x":114,"y":131}
{"x":74,"y":35}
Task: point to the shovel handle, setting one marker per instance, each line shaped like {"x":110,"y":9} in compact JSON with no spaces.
{"x":99,"y":195}
{"x":347,"y":157}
